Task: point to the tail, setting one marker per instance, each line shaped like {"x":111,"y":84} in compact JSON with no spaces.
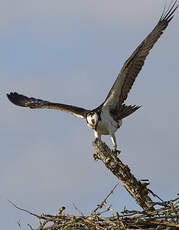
{"x":124,"y":111}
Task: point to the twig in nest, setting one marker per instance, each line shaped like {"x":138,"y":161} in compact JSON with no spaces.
{"x":61,"y":210}
{"x":99,"y":206}
{"x":31,"y":213}
{"x":77,"y":209}
{"x":155,"y":195}
{"x":30,"y":227}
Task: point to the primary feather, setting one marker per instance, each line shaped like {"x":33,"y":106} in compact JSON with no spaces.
{"x":34,"y":103}
{"x":134,"y":63}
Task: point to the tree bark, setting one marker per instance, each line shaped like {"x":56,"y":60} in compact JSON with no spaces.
{"x":135,"y":188}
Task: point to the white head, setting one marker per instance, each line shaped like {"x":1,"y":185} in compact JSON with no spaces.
{"x":92,"y":119}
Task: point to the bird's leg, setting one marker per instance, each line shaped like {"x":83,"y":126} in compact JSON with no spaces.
{"x":113,"y":138}
{"x":97,"y":136}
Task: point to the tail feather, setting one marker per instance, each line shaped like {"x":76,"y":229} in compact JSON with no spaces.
{"x":124,"y":111}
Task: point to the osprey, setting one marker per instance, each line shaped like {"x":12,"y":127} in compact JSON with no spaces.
{"x":107,"y":118}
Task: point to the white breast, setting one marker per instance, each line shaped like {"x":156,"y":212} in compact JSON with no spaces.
{"x":107,"y":125}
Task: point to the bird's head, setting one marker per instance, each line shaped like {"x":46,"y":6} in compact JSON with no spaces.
{"x":92,"y":119}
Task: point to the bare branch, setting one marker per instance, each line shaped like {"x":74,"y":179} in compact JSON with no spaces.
{"x":136,"y":189}
{"x":99,"y":206}
{"x":77,"y":209}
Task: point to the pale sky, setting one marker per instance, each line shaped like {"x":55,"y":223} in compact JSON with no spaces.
{"x":71,"y":52}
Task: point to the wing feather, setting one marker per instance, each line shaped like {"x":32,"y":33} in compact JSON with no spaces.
{"x":133,"y":65}
{"x":34,"y":103}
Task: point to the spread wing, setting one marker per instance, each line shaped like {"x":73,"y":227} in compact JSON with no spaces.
{"x":34,"y":103}
{"x":133,"y":65}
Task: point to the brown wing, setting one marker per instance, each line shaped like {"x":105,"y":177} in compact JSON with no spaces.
{"x":133,"y":65}
{"x":34,"y":103}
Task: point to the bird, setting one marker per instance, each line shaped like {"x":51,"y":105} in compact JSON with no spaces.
{"x":107,"y":118}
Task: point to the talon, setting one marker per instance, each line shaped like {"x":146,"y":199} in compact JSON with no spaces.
{"x":116,"y":152}
{"x":96,"y":139}
{"x":95,"y":157}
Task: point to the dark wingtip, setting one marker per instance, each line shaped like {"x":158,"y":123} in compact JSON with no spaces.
{"x":15,"y":98}
{"x":169,"y":13}
{"x":11,"y":96}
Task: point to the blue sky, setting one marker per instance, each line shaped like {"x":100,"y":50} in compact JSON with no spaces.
{"x":71,"y":52}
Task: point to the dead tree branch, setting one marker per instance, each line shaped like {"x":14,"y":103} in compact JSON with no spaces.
{"x":135,"y":188}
